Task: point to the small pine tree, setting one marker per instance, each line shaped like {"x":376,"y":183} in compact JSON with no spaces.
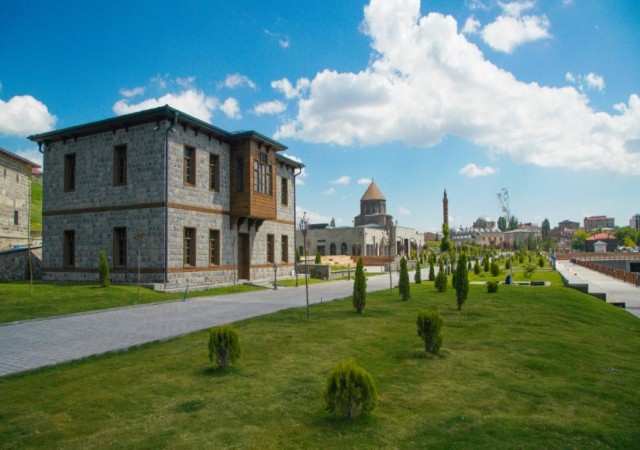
{"x":103,"y":269}
{"x":318,"y":257}
{"x":430,"y":330}
{"x":350,"y":391}
{"x":441,"y":279}
{"x":432,"y":273}
{"x":507,"y":264}
{"x":359,"y":288}
{"x":495,"y":269}
{"x":476,"y":268}
{"x":462,"y":282}
{"x":486,"y":267}
{"x":418,"y":276}
{"x":541,"y":261}
{"x":403,"y":284}
{"x":492,"y":287}
{"x":224,"y":346}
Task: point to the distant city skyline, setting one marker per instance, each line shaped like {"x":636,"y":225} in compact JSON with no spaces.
{"x":539,"y":97}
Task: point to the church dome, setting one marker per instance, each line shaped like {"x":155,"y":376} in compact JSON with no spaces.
{"x":372,"y":193}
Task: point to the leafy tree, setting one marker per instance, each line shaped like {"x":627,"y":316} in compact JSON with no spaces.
{"x":430,"y":330}
{"x":418,"y":276}
{"x":224,"y":346}
{"x":359,"y":288}
{"x":350,"y":391}
{"x":502,"y":223}
{"x":579,"y":240}
{"x":403,"y":284}
{"x":462,"y":281}
{"x":318,"y":257}
{"x":626,"y":236}
{"x":546,"y":227}
{"x":103,"y":269}
{"x":514,"y":223}
{"x":529,"y":270}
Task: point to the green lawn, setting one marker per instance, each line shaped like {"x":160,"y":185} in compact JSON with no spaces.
{"x":36,"y":206}
{"x":17,"y":302}
{"x":528,"y":367}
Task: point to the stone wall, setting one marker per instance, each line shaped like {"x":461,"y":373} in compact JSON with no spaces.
{"x":14,"y":264}
{"x":14,"y":198}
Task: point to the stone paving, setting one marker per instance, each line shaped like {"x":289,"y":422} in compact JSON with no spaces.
{"x":36,"y":343}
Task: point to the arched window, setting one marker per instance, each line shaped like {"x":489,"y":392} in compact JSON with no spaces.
{"x":332,"y":249}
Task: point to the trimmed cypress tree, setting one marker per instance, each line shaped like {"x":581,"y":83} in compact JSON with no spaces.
{"x":418,"y":276}
{"x":318,"y":258}
{"x":441,"y":279}
{"x":224,"y":346}
{"x":432,"y":273}
{"x":359,"y":288}
{"x":403,"y":284}
{"x":430,"y":330}
{"x":103,"y":269}
{"x":350,"y":391}
{"x":462,"y":281}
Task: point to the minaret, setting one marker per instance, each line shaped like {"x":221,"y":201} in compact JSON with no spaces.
{"x":445,"y":209}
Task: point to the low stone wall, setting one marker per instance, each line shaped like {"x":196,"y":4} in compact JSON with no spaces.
{"x":14,"y":264}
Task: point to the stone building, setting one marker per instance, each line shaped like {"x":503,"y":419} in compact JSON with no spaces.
{"x":15,"y":199}
{"x":163,"y":193}
{"x":634,"y":222}
{"x":594,"y":223}
{"x":368,"y":236}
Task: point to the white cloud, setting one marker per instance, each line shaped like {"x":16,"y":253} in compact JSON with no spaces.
{"x":472,"y":171}
{"x":404,"y":211}
{"x":191,"y":101}
{"x":330,"y":191}
{"x":284,"y":42}
{"x":511,"y":29}
{"x":313,"y":217}
{"x":236,"y":80}
{"x":132,"y":92}
{"x":426,"y":81}
{"x":364,"y":181}
{"x":23,"y":115}
{"x":160,"y":81}
{"x":231,"y":108}
{"x":570,"y":77}
{"x":32,"y":154}
{"x":269,"y":108}
{"x":289,"y":91}
{"x":595,"y":81}
{"x":186,"y":83}
{"x":471,"y":26}
{"x":584,"y":82}
{"x":343,"y":180}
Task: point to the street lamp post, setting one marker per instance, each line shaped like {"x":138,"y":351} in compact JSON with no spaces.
{"x":303,"y":226}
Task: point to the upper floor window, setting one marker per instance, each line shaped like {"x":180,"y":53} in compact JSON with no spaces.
{"x":284,"y":191}
{"x":70,"y":172}
{"x":214,"y":172}
{"x":262,"y":175}
{"x":189,"y":166}
{"x":120,"y":165}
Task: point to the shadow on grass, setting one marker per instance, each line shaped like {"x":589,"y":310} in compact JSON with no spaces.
{"x":214,"y":372}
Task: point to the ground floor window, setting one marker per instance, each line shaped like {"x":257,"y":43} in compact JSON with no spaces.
{"x":69,"y":248}
{"x":271,"y":248}
{"x":189,"y":247}
{"x":285,"y":249}
{"x":120,"y":247}
{"x":214,"y":247}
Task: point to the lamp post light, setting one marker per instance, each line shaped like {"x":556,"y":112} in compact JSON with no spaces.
{"x":303,"y":226}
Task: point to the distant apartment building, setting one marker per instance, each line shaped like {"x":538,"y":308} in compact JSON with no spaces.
{"x":634,"y":222}
{"x":598,"y":222}
{"x":179,"y":200}
{"x":15,"y":201}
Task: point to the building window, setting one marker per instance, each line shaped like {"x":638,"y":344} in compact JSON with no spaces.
{"x":284,"y":191}
{"x":16,"y":218}
{"x":189,"y":166}
{"x":120,"y":247}
{"x":70,"y":172}
{"x":69,"y":248}
{"x":214,"y":247}
{"x":120,"y":165}
{"x":270,"y":248}
{"x":189,"y":247}
{"x":214,"y":172}
{"x":239,"y":175}
{"x":262,"y":175}
{"x":285,"y":249}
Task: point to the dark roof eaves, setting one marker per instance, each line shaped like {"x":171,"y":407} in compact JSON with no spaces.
{"x":19,"y":158}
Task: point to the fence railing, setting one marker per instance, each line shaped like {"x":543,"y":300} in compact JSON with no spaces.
{"x":622,"y":275}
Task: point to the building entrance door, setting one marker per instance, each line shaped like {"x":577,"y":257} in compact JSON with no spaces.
{"x":244,"y":258}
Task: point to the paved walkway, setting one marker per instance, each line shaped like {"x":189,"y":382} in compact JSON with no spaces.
{"x":36,"y":343}
{"x":616,"y":290}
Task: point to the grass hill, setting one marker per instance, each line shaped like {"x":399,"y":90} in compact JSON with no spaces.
{"x":528,"y":367}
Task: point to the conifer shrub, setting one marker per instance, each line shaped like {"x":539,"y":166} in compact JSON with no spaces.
{"x":492,"y":287}
{"x":541,"y":261}
{"x":495,"y":269}
{"x":224,"y":346}
{"x":350,"y":391}
{"x":298,"y":256}
{"x":507,"y":264}
{"x":432,"y":273}
{"x":529,"y":270}
{"x":476,"y":268}
{"x":359,"y":288}
{"x":461,"y":282}
{"x":418,"y":276}
{"x":103,"y":269}
{"x":318,"y":258}
{"x":403,"y":284}
{"x":430,"y":330}
{"x":441,"y":279}
{"x":486,"y":267}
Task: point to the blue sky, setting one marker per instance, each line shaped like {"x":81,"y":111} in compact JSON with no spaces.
{"x":539,"y":97}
